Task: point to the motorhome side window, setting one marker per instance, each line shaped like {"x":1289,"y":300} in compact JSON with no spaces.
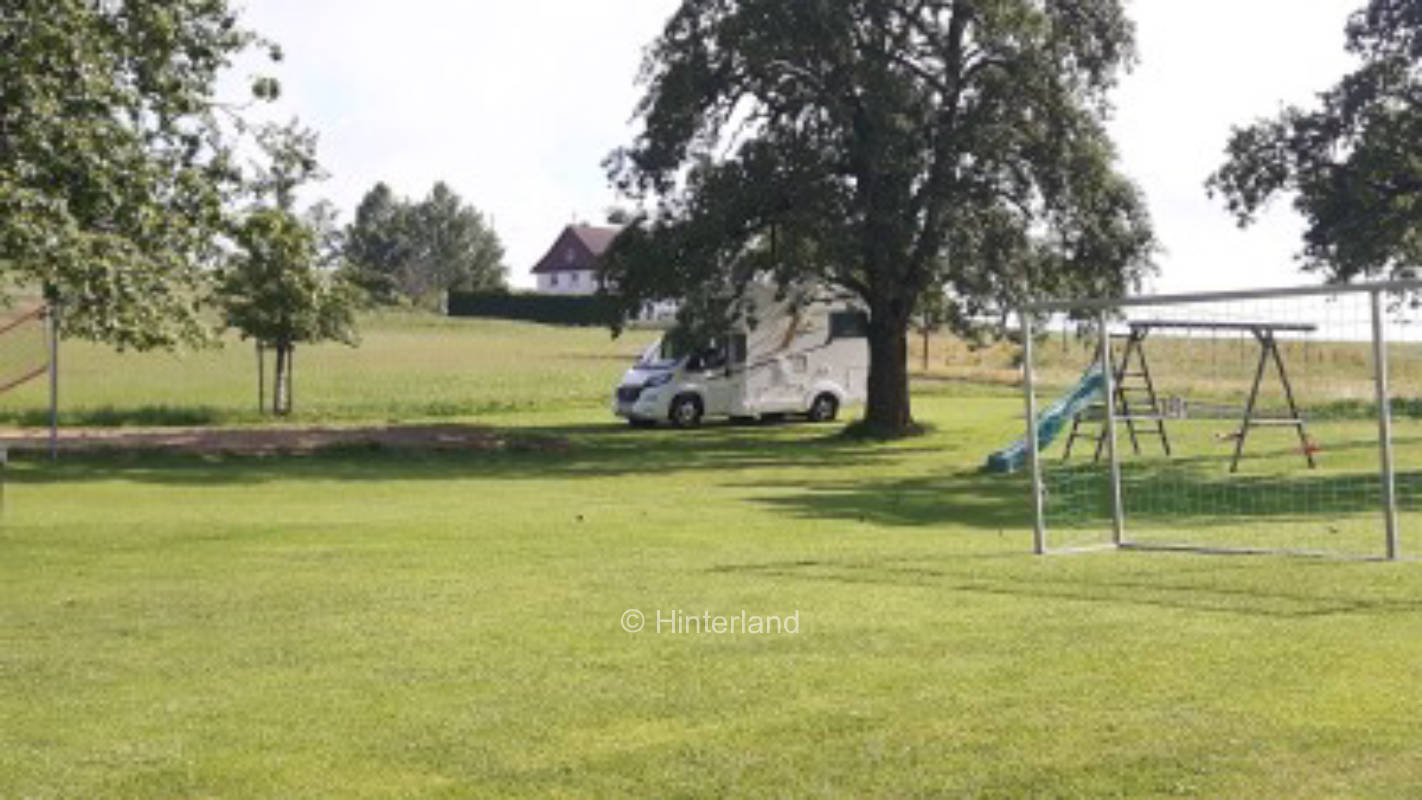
{"x":849,"y":325}
{"x":738,"y":349}
{"x":711,"y":357}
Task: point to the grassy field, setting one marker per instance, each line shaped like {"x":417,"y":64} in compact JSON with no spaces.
{"x":394,"y":624}
{"x":408,"y":367}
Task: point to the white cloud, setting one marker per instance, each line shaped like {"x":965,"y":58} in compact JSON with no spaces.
{"x":516,"y":105}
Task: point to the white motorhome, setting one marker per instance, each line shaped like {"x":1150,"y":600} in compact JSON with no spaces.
{"x":805,"y":353}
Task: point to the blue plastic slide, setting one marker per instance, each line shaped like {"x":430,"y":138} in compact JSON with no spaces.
{"x":1089,"y":389}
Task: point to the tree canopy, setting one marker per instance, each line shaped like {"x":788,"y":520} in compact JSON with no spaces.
{"x":889,"y":147}
{"x":1353,"y":163}
{"x":116,"y":165}
{"x":418,"y":250}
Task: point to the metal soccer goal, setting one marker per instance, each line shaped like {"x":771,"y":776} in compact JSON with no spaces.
{"x":1277,"y":420}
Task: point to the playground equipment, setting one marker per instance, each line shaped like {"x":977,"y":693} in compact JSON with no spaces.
{"x":1205,"y":496}
{"x":1086,"y":392}
{"x":1137,"y":382}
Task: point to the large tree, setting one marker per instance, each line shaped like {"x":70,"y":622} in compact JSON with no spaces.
{"x":116,"y":167}
{"x":1353,"y":163}
{"x":890,"y":147}
{"x":419,"y":250}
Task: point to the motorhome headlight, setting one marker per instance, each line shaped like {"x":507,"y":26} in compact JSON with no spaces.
{"x":659,"y":379}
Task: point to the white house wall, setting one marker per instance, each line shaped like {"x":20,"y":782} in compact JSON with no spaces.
{"x":567,"y":283}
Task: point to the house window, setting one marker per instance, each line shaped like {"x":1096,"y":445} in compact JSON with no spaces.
{"x":553,"y":279}
{"x":570,"y":256}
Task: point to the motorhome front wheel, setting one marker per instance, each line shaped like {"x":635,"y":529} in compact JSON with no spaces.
{"x":686,"y":411}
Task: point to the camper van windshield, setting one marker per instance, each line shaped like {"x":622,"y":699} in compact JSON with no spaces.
{"x":662,"y":354}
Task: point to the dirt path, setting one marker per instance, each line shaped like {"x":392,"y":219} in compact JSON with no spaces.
{"x":258,"y":441}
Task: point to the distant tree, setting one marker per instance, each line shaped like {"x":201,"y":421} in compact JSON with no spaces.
{"x":398,"y":248}
{"x":889,"y":147}
{"x":930,"y":318}
{"x":1353,"y":165}
{"x":377,"y":244}
{"x":117,"y":173}
{"x":274,"y":292}
{"x":454,"y":248}
{"x":283,"y":286}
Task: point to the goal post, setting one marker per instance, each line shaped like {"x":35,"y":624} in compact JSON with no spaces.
{"x":1272,"y":420}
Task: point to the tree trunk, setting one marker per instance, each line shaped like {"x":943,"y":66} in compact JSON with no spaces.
{"x":926,"y":334}
{"x":261,"y":381}
{"x":887,"y":412}
{"x":280,"y":381}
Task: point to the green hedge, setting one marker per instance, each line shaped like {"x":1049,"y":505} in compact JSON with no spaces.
{"x":549,"y":309}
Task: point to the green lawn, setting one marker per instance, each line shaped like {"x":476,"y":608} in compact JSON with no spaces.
{"x":383,"y":623}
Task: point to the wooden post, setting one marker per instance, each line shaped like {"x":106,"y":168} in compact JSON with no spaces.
{"x":53,"y":379}
{"x":261,"y":380}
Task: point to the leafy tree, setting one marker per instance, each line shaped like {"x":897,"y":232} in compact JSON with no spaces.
{"x":283,"y":285}
{"x":1354,"y":163}
{"x":273,"y":291}
{"x":377,"y":243}
{"x":116,"y":165}
{"x":454,"y":248}
{"x":890,"y":147}
{"x":419,"y":250}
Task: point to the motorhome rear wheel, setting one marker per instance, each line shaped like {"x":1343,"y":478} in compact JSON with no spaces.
{"x":825,"y":408}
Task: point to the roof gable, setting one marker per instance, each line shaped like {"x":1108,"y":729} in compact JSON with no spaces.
{"x":576,"y":249}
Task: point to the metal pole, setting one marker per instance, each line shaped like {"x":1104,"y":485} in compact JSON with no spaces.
{"x":1034,"y":462}
{"x":1389,"y":488}
{"x":1118,"y":514}
{"x":54,"y":381}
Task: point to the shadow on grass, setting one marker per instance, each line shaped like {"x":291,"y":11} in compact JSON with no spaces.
{"x":810,"y":472}
{"x":995,"y":502}
{"x":969,"y":498}
{"x":548,"y":452}
{"x":1214,"y":588}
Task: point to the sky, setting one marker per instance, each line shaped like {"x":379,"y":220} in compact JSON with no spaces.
{"x":516,"y":104}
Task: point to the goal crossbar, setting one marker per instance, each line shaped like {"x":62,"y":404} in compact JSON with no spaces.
{"x":1107,"y":304}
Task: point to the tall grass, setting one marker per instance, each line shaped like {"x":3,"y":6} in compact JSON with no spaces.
{"x":1330,"y":376}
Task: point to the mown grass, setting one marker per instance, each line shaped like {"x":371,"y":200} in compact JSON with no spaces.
{"x":449,"y":625}
{"x":380,"y":623}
